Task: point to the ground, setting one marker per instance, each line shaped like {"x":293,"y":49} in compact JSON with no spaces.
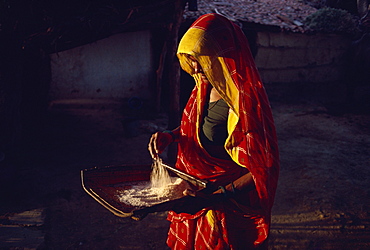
{"x":322,"y":200}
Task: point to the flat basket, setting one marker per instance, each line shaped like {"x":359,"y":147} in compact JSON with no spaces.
{"x":103,"y":184}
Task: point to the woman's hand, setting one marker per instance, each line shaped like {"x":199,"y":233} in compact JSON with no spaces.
{"x":158,"y":143}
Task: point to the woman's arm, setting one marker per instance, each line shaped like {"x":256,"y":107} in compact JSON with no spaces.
{"x":243,"y":183}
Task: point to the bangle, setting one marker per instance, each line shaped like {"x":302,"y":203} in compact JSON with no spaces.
{"x":171,"y":133}
{"x":222,"y":189}
{"x":228,"y":194}
{"x":225,"y":193}
{"x":232,"y":187}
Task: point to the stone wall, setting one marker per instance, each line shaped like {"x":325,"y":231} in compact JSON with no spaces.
{"x":290,"y":57}
{"x":117,"y":67}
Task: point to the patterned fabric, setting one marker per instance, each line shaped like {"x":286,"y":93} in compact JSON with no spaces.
{"x":197,"y":232}
{"x":223,"y":53}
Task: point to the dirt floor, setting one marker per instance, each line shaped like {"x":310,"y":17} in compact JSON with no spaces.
{"x":322,"y":199}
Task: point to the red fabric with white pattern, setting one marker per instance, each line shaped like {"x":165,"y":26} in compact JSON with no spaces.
{"x":254,"y":138}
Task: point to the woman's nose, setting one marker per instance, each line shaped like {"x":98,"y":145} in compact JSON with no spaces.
{"x":197,"y":68}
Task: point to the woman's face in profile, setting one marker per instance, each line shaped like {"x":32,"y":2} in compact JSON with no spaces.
{"x":197,"y":68}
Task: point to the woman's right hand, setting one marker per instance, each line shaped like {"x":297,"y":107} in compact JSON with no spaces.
{"x":158,"y":143}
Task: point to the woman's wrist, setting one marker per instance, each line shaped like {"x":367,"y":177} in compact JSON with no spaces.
{"x":171,"y":133}
{"x":226,"y":192}
{"x":175,"y":133}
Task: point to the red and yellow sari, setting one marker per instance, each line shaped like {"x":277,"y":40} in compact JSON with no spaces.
{"x":223,"y":53}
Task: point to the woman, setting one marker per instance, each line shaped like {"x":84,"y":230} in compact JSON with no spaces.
{"x":227,"y":137}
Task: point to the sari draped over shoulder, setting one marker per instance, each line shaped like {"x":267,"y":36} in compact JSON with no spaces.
{"x":223,"y":52}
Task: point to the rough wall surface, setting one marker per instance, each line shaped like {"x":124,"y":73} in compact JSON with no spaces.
{"x":290,"y":57}
{"x":116,"y":67}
